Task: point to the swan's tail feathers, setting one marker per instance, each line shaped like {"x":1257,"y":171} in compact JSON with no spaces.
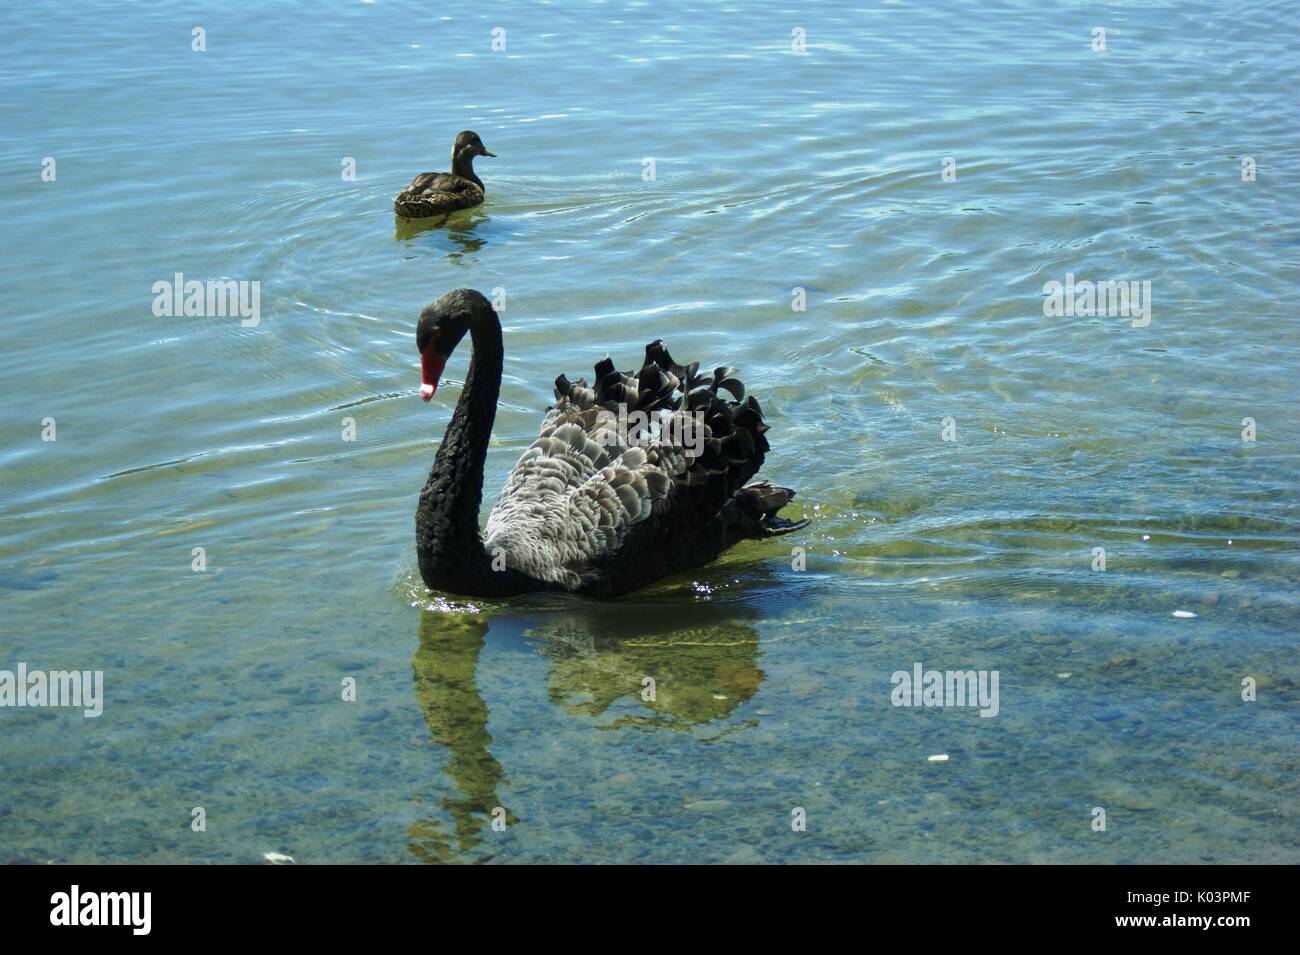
{"x":758,"y":504}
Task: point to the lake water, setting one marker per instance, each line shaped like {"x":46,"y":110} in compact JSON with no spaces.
{"x":774,"y":170}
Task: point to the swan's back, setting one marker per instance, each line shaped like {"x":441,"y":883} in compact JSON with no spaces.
{"x":599,"y":505}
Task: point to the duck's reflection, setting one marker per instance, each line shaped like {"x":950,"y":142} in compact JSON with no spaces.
{"x":459,"y":226}
{"x":692,"y":666}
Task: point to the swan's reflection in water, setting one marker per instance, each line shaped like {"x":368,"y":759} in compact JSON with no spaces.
{"x":704,"y":665}
{"x":458,"y":226}
{"x":456,"y":714}
{"x":701,"y":674}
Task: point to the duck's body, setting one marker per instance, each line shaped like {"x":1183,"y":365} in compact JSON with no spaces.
{"x":599,"y":504}
{"x":434,"y":193}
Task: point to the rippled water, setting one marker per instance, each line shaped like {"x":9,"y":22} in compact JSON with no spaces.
{"x":774,"y":170}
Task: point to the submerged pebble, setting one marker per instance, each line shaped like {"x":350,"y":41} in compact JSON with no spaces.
{"x":708,"y":805}
{"x":745,"y":855}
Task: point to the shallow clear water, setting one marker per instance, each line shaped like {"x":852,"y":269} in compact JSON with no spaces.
{"x":774,"y":170}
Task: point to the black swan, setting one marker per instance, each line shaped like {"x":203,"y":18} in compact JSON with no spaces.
{"x":603,"y":502}
{"x":431,"y":193}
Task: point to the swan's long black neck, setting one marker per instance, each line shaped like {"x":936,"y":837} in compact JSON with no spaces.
{"x":462,"y":164}
{"x":447,"y":540}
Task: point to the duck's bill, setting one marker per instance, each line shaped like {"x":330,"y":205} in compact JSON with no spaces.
{"x":431,"y":365}
{"x":487,"y":153}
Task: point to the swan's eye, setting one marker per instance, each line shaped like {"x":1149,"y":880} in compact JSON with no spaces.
{"x":423,"y":339}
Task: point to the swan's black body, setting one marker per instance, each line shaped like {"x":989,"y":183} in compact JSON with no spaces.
{"x":583,"y":511}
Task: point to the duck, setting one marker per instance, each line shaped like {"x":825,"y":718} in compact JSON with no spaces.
{"x":633,"y":478}
{"x":433,"y":193}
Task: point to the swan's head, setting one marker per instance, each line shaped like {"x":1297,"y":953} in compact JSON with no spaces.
{"x":442,"y":325}
{"x":468,"y":145}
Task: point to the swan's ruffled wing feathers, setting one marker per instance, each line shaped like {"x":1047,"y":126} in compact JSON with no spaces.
{"x":599,"y":491}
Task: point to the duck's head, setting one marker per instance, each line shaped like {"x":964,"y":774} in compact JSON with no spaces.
{"x":468,"y":145}
{"x":443,"y":323}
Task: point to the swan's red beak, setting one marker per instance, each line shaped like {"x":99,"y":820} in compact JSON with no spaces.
{"x":431,"y":365}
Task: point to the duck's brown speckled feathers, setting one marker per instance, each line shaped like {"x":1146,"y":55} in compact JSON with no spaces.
{"x":435,"y":193}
